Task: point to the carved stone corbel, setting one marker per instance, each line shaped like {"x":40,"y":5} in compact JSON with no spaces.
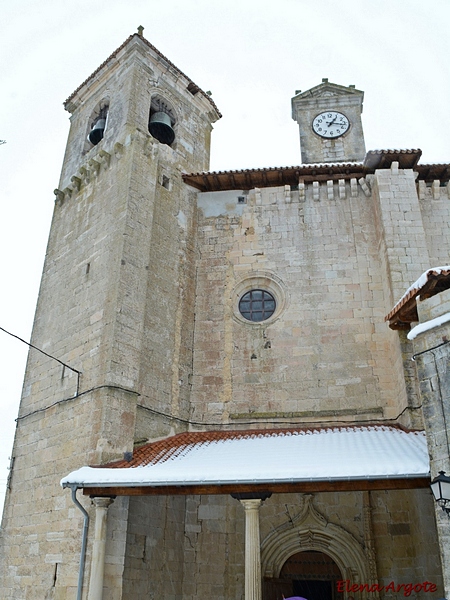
{"x":365,"y":188}
{"x":301,"y":190}
{"x":85,"y":175}
{"x":316,"y":190}
{"x":287,"y":193}
{"x":76,"y":182}
{"x":118,"y":150}
{"x":59,"y":195}
{"x":330,"y":189}
{"x":106,"y":156}
{"x":95,"y":166}
{"x":436,"y":189}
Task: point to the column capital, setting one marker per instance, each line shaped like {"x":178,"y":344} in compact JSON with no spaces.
{"x":251,"y":496}
{"x":251,"y":503}
{"x":101,"y":502}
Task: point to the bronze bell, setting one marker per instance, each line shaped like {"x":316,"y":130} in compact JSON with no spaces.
{"x":160,"y":127}
{"x":97,"y":131}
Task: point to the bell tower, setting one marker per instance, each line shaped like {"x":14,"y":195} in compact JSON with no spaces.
{"x":115,"y":309}
{"x":329,"y":119}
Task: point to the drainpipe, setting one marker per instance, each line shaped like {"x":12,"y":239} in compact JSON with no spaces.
{"x":83,"y":540}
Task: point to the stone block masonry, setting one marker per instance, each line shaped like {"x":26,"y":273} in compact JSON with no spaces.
{"x":324,"y":355}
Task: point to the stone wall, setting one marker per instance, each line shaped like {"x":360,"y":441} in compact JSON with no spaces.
{"x":435,"y":208}
{"x":324,"y":357}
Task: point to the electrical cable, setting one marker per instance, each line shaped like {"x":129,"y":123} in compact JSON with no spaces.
{"x":39,"y":350}
{"x":203,"y":423}
{"x":78,"y":395}
{"x":65,"y":365}
{"x":173,"y":417}
{"x":413,"y":357}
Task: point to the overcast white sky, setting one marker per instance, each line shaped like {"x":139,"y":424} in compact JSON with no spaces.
{"x":252,"y":55}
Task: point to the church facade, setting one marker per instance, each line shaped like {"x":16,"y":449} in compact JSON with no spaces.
{"x":257,"y":427}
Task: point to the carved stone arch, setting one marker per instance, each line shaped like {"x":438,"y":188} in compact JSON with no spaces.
{"x":160,"y":102}
{"x":310,"y":531}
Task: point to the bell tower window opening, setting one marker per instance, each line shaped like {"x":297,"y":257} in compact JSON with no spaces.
{"x":162,"y":121}
{"x":98,"y":123}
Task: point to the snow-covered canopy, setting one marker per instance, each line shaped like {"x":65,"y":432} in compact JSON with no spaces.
{"x":433,"y":281}
{"x":259,"y":457}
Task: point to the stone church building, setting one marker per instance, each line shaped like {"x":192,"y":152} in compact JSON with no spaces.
{"x":222,"y":402}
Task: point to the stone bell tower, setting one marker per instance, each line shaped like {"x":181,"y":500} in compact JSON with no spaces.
{"x":115,"y":310}
{"x":329,"y":118}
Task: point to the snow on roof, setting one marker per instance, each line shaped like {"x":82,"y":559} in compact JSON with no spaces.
{"x":258,"y":457}
{"x":428,"y":325}
{"x":419,"y":283}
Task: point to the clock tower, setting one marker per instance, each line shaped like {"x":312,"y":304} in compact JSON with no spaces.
{"x":329,"y":118}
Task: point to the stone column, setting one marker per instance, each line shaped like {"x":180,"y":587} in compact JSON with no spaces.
{"x":98,"y":550}
{"x":252,"y":549}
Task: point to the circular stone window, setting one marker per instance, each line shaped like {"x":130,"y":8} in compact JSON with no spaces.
{"x":259,"y":299}
{"x":257,"y":305}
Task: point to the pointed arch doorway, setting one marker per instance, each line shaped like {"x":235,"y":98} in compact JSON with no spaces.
{"x":310,"y":574}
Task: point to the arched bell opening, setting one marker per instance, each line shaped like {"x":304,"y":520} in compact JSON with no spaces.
{"x":97,"y":123}
{"x":161,"y":124}
{"x":312,"y":575}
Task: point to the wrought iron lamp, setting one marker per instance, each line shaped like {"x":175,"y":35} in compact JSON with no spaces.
{"x":440,"y":486}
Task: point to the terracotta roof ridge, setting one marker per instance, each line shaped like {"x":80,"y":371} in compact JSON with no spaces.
{"x":160,"y":54}
{"x":394,"y":151}
{"x":439,"y":164}
{"x":262,"y":169}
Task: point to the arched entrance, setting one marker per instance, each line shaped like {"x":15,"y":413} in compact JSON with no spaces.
{"x":310,"y":574}
{"x":309,"y":533}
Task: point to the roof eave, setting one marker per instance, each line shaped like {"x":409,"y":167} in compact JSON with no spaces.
{"x":394,"y":482}
{"x":69,"y":104}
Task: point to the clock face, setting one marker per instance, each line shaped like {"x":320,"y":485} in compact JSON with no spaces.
{"x":330,"y":124}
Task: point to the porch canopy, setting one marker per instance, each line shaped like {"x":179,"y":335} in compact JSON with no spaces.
{"x":432,"y":282}
{"x":257,"y":461}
